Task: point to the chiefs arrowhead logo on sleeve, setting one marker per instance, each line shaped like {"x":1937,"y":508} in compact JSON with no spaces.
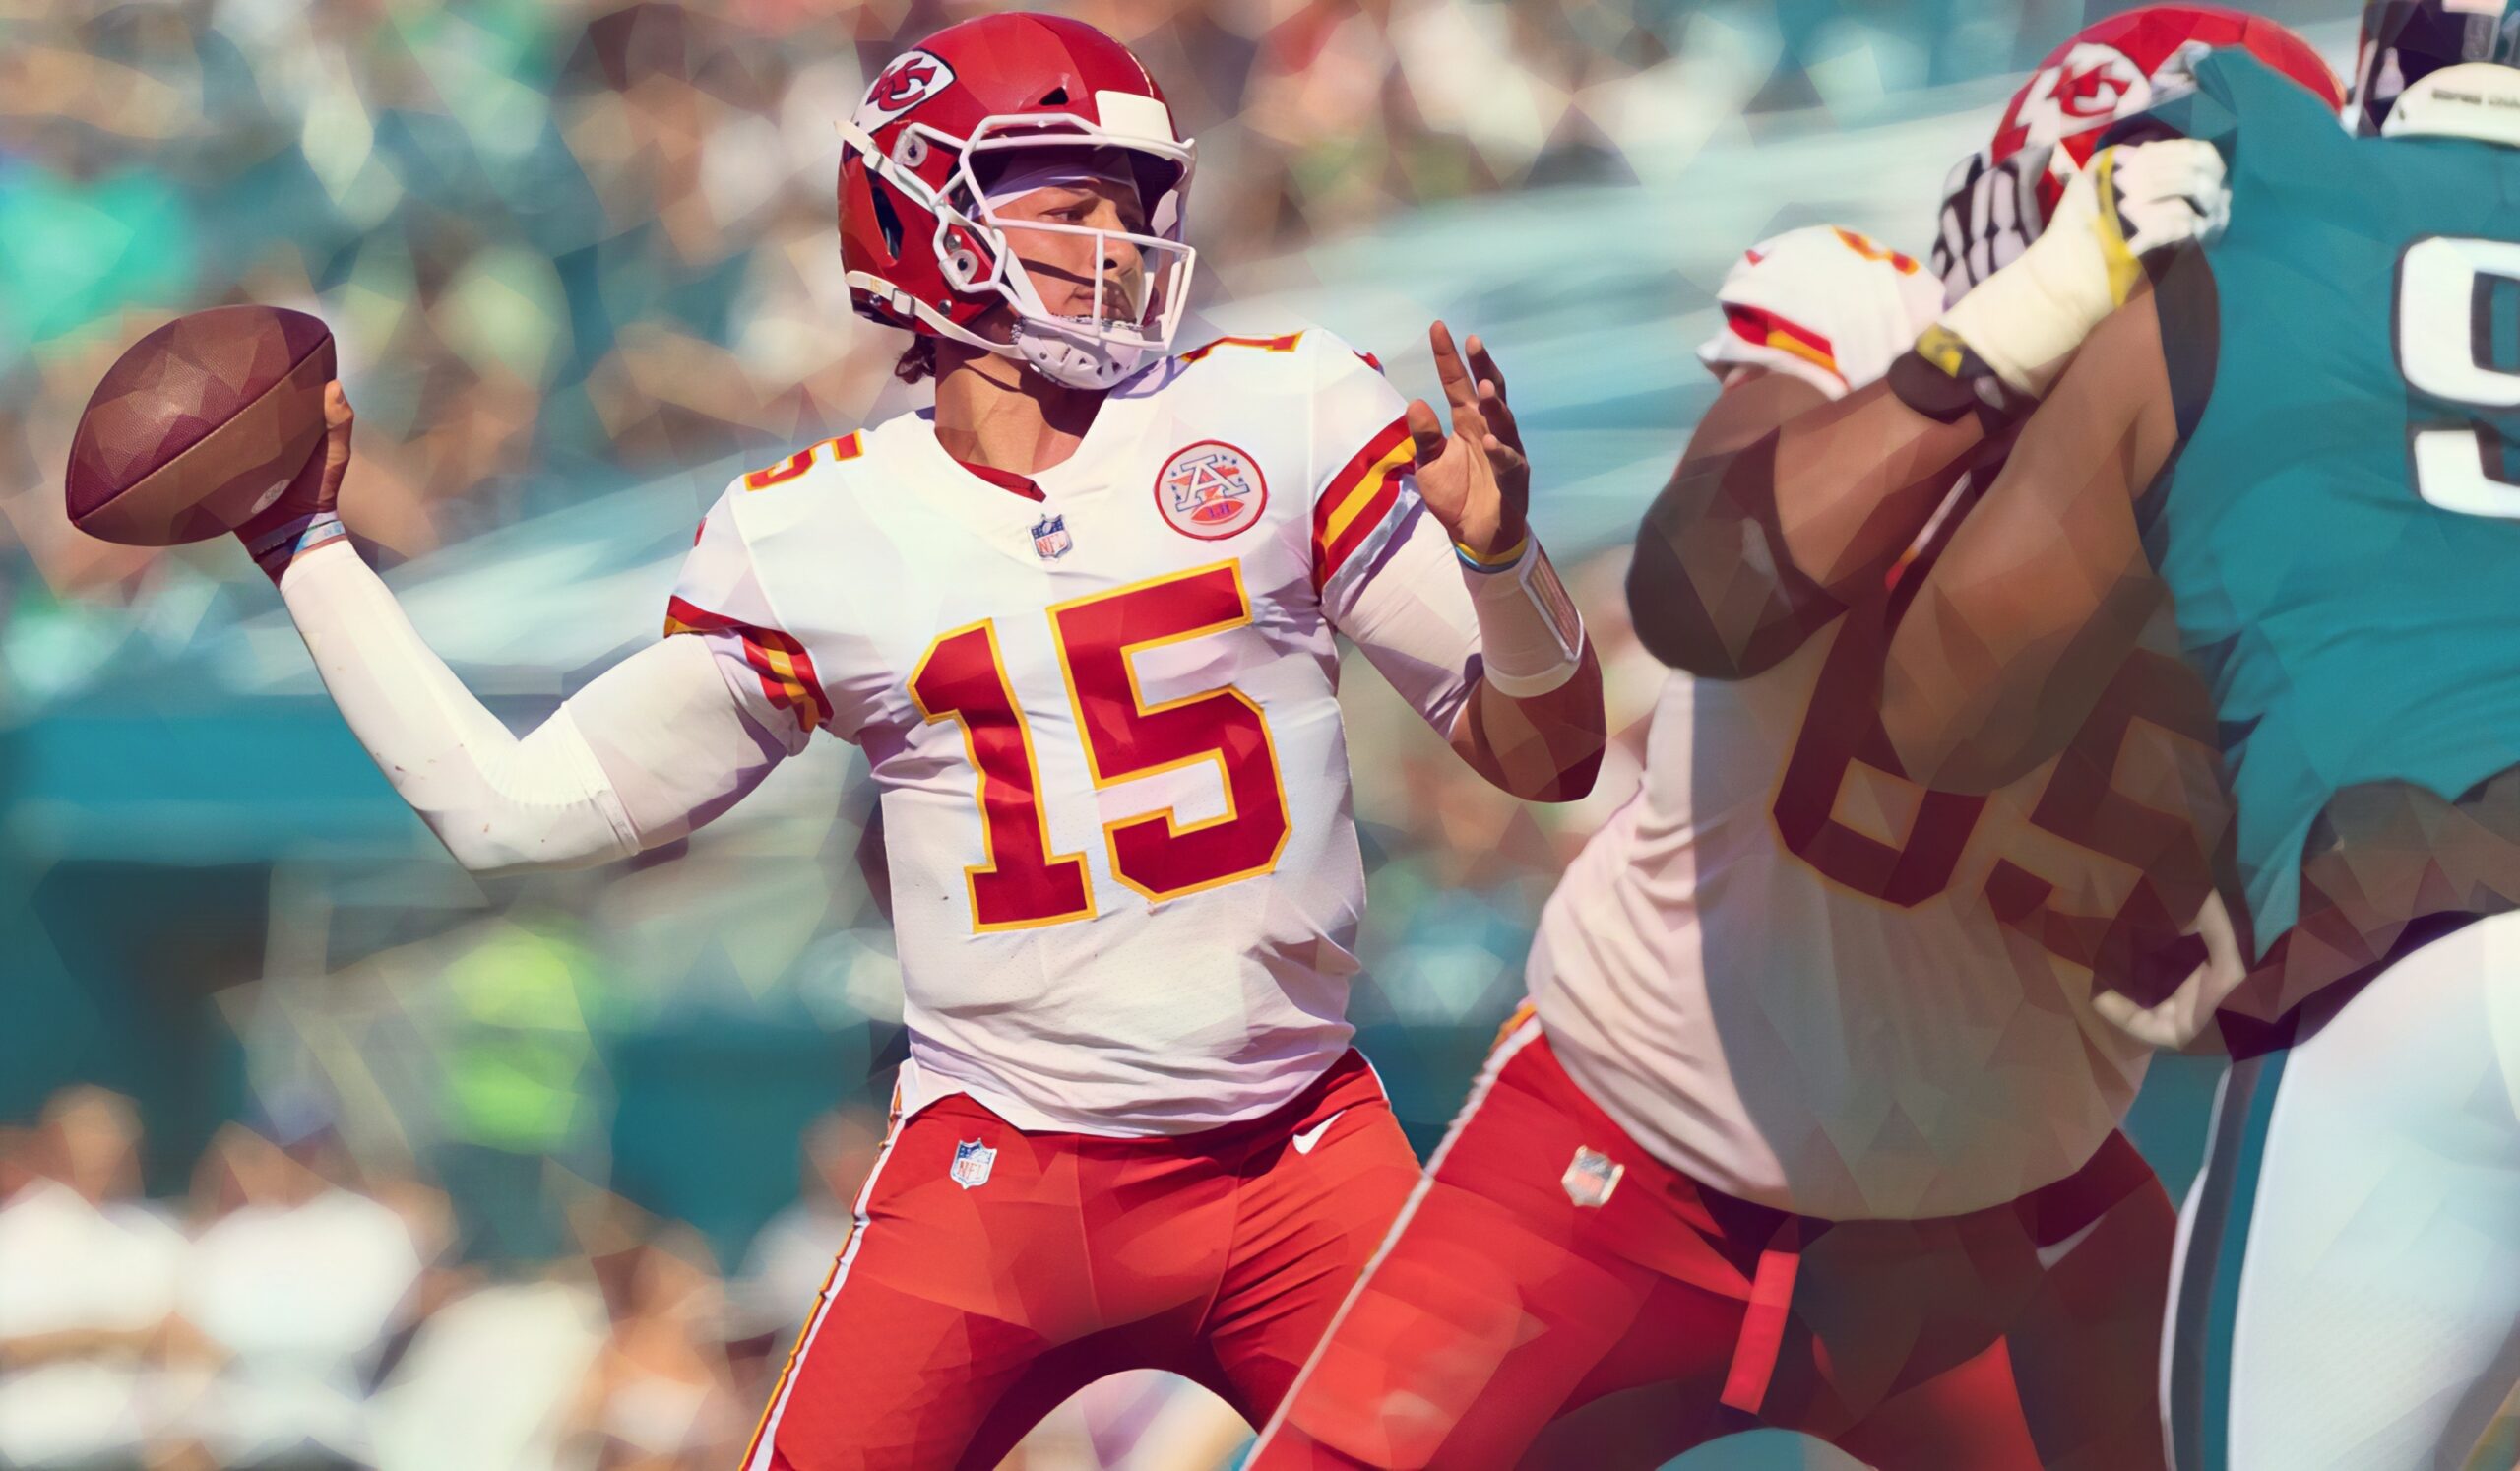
{"x":912,"y":79}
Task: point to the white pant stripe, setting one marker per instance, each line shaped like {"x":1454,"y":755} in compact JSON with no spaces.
{"x":768,"y":1432}
{"x":1496,"y":1060}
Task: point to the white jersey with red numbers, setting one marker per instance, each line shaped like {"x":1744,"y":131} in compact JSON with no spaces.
{"x":1781,"y":966}
{"x":1101,"y":706}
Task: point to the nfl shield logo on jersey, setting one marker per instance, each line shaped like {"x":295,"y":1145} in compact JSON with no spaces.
{"x":1591,"y":1178}
{"x":1050,"y":538}
{"x":972,"y":1162}
{"x":1210,"y":490}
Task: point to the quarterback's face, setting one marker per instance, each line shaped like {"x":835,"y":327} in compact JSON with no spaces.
{"x":1066,"y":263}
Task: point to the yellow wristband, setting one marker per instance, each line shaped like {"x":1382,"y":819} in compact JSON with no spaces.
{"x":1496,"y":561}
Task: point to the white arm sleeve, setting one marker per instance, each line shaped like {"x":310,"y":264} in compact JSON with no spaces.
{"x":1413,"y":618}
{"x":650,"y":750}
{"x":1434,"y":630}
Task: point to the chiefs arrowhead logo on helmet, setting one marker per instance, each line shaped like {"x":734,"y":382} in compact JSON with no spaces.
{"x":925,"y":247}
{"x":1999,"y":198}
{"x":2126,"y":64}
{"x":2090,"y":85}
{"x":913,"y":77}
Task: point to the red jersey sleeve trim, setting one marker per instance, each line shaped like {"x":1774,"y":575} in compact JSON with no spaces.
{"x":1358,"y":498}
{"x":1767,"y":329}
{"x":780,"y":663}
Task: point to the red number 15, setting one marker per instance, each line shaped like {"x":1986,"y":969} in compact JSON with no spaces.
{"x":1022,"y":883}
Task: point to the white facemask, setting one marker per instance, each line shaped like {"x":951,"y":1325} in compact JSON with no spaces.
{"x":1093,"y":350}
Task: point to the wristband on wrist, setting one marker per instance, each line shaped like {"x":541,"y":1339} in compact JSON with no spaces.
{"x":1531,"y":636}
{"x":282,"y":545}
{"x":1494,"y":561}
{"x":1942,"y":379}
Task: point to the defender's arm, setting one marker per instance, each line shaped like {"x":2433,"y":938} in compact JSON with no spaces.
{"x":2044,"y":587}
{"x":1749,"y":550}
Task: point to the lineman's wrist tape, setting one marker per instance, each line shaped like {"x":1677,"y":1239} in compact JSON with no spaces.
{"x":1530,"y":638}
{"x":1943,"y":380}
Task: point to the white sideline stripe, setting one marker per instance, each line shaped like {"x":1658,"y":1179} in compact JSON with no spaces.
{"x":1496,"y":1061}
{"x":769,"y":1435}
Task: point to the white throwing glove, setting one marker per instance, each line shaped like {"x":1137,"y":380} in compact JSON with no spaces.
{"x":2026,"y":321}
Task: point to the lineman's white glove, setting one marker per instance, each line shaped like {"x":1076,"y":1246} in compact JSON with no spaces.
{"x":2028,"y":318}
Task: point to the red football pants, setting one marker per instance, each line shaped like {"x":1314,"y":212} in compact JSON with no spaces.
{"x":961,"y":1313}
{"x":1510,"y":1322}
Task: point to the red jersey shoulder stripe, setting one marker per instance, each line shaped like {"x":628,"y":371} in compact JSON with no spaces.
{"x":1769,"y":329}
{"x":780,"y":663}
{"x":1357,"y":499}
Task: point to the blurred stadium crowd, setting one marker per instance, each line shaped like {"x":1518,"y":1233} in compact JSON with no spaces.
{"x":295,"y":1309}
{"x":562,"y":239}
{"x":566,"y":248}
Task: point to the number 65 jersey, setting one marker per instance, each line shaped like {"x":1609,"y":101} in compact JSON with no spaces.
{"x":1805,"y":980}
{"x":1101,"y":705}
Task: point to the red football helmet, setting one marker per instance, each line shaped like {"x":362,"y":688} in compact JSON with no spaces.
{"x":1998,"y":200}
{"x":923,"y":248}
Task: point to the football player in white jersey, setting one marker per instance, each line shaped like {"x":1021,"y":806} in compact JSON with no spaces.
{"x":1081,"y":619}
{"x":1814,"y":1125}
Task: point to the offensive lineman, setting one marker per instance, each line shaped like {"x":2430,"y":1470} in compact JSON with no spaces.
{"x":1080,"y":619}
{"x":2300,"y":435}
{"x":1814,"y":1126}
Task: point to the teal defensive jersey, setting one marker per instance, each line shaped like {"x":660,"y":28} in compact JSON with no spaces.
{"x":2341,"y":527}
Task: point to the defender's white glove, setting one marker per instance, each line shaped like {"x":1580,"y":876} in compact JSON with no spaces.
{"x":2028,"y":318}
{"x":2183,"y":1016}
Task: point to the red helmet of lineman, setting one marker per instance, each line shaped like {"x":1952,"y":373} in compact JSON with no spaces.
{"x":998,"y":99}
{"x":1998,"y":200}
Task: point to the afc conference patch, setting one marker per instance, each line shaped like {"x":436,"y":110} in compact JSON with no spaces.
{"x":1590,"y":1179}
{"x":1210,"y":490}
{"x":1050,"y":540}
{"x":971,"y":1162}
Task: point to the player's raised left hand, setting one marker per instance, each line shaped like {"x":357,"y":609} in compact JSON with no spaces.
{"x":1475,"y":481}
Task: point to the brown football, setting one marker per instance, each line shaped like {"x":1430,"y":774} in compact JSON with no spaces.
{"x":201,"y":424}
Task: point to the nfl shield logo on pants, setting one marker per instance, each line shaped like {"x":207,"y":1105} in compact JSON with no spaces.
{"x":972,"y":1162}
{"x":1591,"y":1178}
{"x":1050,"y":540}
